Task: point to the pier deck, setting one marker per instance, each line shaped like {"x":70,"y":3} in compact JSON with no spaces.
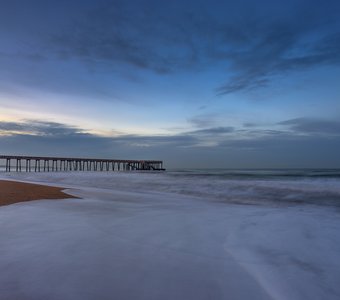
{"x":55,"y":164}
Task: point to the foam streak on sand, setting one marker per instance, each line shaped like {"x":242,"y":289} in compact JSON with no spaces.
{"x":136,"y":236}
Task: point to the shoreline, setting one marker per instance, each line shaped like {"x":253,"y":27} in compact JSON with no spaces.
{"x":14,"y":191}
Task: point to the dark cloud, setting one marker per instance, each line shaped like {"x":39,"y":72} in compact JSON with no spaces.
{"x":203,"y":121}
{"x":43,"y":130}
{"x":221,"y":135}
{"x":166,"y":38}
{"x":278,"y":53}
{"x":212,"y":131}
{"x":180,"y":140}
{"x":139,"y":35}
{"x":40,"y":128}
{"x":255,"y":41}
{"x":313,"y":126}
{"x":209,"y":147}
{"x":249,"y":124}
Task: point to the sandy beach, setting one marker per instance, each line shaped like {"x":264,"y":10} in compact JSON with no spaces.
{"x":13,"y":192}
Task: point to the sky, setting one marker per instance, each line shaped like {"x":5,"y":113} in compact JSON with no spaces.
{"x":197,"y":84}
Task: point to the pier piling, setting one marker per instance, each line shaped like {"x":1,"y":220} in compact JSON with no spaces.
{"x":58,"y":164}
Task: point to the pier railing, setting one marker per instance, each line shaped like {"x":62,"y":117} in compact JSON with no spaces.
{"x":55,"y":164}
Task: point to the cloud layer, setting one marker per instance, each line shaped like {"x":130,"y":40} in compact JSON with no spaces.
{"x":254,"y":42}
{"x":255,"y":47}
{"x":296,"y":142}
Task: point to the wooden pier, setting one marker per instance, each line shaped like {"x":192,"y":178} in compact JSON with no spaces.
{"x":64,"y":164}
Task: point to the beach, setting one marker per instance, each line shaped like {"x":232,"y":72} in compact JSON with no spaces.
{"x":13,"y":192}
{"x":151,"y":235}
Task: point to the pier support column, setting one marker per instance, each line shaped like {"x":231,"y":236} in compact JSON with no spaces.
{"x":18,"y":165}
{"x":37,"y":165}
{"x":8,"y":165}
{"x":28,"y":165}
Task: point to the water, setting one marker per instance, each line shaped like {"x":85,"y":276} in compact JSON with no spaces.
{"x":279,"y":187}
{"x":261,"y":173}
{"x":131,"y":225}
{"x":255,"y":187}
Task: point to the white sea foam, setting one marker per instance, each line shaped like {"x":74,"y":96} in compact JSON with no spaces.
{"x":172,"y":236}
{"x":320,"y":191}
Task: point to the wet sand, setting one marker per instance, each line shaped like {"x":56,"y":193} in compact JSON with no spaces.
{"x":13,"y":192}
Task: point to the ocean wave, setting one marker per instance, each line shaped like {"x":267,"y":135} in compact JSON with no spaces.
{"x":209,"y":186}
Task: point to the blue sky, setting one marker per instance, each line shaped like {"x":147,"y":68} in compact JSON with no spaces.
{"x":249,"y":84}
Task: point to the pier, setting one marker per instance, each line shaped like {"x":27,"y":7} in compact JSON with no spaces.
{"x":64,"y":164}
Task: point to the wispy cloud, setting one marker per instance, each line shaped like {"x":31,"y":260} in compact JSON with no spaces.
{"x":313,"y":126}
{"x":221,"y":146}
{"x":39,"y":128}
{"x":257,"y":49}
{"x":256,"y":42}
{"x":209,"y":136}
{"x":203,"y":120}
{"x":212,"y":131}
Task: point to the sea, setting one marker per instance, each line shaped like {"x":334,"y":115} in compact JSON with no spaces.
{"x":178,"y":234}
{"x":259,"y":186}
{"x":278,"y":187}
